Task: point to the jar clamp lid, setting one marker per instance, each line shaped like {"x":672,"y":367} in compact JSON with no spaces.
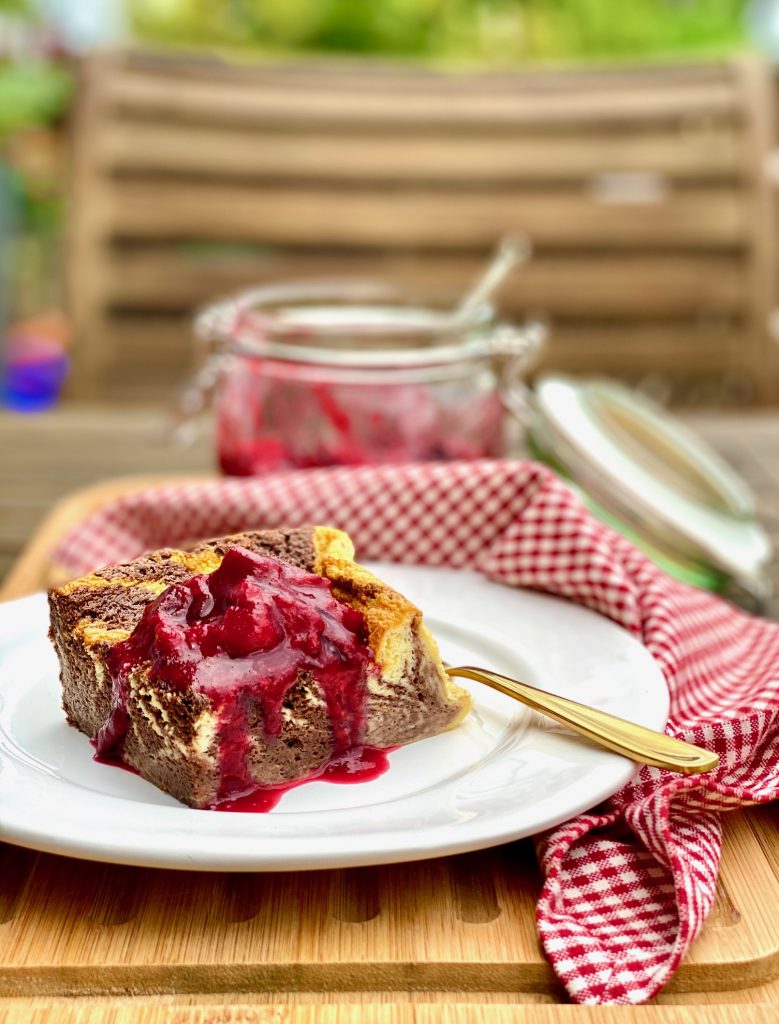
{"x":357,"y":324}
{"x":647,"y":472}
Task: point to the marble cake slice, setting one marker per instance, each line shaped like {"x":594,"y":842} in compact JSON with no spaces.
{"x":174,"y":735}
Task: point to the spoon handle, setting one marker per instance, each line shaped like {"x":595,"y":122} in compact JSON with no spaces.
{"x":617,"y":734}
{"x":512,"y":250}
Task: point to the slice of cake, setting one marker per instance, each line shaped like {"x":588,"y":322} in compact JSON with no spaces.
{"x":252,"y":661}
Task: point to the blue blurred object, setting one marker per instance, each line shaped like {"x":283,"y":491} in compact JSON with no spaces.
{"x":33,"y":375}
{"x":34,"y":362}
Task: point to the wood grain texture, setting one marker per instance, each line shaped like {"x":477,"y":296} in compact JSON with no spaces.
{"x":461,"y":924}
{"x":45,"y":458}
{"x":157,"y":277}
{"x":249,"y":1012}
{"x":705,"y":218}
{"x":686,"y":152}
{"x":369,"y":101}
{"x":85,"y":272}
{"x":34,"y":569}
{"x":635,"y":185}
{"x":346,"y":71}
{"x":762,"y":137}
{"x":675,"y":351}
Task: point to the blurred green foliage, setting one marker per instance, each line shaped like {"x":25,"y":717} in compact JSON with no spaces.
{"x":499,"y":30}
{"x":15,"y":7}
{"x":36,"y":86}
{"x":32,"y":93}
{"x":33,"y":90}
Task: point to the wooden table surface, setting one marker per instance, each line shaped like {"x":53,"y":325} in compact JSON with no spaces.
{"x":450,"y":940}
{"x":44,"y":458}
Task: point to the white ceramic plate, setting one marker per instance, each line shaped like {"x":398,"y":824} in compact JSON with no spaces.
{"x":504,"y":774}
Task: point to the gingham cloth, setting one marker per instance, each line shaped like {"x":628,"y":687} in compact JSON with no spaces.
{"x":628,"y":886}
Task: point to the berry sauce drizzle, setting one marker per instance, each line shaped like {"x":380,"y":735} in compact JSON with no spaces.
{"x":241,"y":635}
{"x":113,"y":760}
{"x":360,"y":764}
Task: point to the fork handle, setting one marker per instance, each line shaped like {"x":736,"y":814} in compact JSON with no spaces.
{"x":617,"y":734}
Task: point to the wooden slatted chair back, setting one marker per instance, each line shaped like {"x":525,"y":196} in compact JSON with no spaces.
{"x":641,"y":189}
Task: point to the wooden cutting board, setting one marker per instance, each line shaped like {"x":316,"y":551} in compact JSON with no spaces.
{"x":77,"y":1012}
{"x":457,"y":924}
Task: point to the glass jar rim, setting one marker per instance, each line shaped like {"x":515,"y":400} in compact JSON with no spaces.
{"x":240,"y":325}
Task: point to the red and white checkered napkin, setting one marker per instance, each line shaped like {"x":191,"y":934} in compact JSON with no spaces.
{"x":629,"y":885}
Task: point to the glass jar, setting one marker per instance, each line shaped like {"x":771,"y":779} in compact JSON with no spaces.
{"x":350,"y":373}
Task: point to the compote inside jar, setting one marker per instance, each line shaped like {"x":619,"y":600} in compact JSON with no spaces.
{"x":351,"y":373}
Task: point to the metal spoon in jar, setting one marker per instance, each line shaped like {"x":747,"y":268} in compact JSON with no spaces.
{"x":512,"y":251}
{"x":634,"y":741}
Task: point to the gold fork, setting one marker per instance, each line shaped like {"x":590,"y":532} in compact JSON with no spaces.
{"x":633,"y":741}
